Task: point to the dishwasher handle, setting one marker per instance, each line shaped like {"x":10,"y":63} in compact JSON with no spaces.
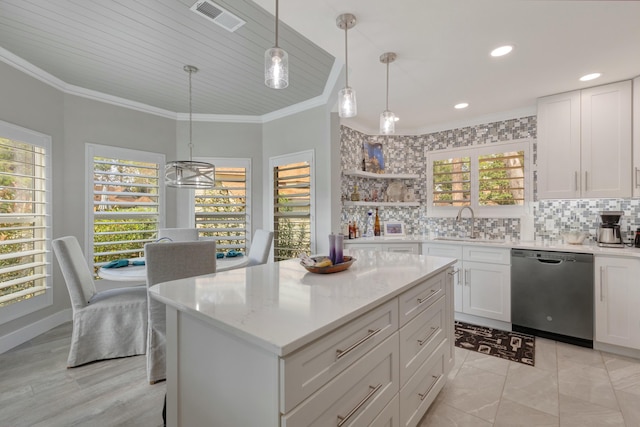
{"x":549,"y":260}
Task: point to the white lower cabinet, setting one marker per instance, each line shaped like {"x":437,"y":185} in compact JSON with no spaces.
{"x":617,"y":298}
{"x":482,"y":278}
{"x":384,"y":368}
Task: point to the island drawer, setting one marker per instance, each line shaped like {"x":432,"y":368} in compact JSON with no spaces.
{"x":421,"y":390}
{"x":357,"y":395}
{"x":420,"y":337}
{"x":305,"y":371}
{"x":390,"y":415}
{"x":420,"y":297}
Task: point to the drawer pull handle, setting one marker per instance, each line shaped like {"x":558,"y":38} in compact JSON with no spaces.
{"x":637,"y":180}
{"x":426,"y":393}
{"x":433,"y":331}
{"x":341,"y":353}
{"x":431,"y":294}
{"x":342,"y":420}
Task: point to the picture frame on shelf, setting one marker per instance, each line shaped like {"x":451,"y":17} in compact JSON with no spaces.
{"x":394,"y":228}
{"x":373,"y":157}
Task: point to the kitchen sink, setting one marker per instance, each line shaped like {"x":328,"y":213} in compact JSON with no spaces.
{"x":468,"y":239}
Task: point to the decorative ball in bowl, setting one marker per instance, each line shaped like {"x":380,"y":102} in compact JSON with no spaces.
{"x":332,"y":268}
{"x":574,"y":237}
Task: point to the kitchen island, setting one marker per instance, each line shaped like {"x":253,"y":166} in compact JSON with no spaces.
{"x":275,"y":345}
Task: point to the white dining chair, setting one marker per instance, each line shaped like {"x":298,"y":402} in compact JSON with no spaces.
{"x":165,"y":262}
{"x":106,"y":324}
{"x":260,"y":247}
{"x":178,"y":234}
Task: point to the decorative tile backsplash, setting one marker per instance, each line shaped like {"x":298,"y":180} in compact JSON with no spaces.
{"x":407,"y":154}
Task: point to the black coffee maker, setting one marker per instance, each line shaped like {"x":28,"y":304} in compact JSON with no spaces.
{"x":609,"y":235}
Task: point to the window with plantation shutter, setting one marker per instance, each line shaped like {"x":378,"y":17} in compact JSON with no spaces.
{"x":25,"y":233}
{"x":492,"y":179}
{"x":126,"y":202}
{"x":223,"y":213}
{"x":292,"y":206}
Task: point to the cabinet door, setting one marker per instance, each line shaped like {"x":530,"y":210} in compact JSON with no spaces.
{"x":558,"y":160}
{"x":487,"y":290}
{"x":636,"y":137}
{"x":449,"y":251}
{"x":606,"y":140}
{"x":617,"y":298}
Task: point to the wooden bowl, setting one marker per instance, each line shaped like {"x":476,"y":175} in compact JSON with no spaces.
{"x":345,"y":264}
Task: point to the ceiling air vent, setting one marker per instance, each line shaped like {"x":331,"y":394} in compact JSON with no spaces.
{"x":217,"y":14}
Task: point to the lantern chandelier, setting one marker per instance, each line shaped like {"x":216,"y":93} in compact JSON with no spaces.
{"x":387,"y":118}
{"x":187,"y":173}
{"x":347,"y":106}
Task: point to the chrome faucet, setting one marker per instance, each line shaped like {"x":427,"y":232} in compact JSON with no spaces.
{"x":473,"y":220}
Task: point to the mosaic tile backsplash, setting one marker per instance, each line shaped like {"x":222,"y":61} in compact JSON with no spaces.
{"x":407,"y":154}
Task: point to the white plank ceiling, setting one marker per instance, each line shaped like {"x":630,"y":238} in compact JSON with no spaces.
{"x":136,"y":49}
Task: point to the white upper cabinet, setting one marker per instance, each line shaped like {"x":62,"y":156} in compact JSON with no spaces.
{"x":636,"y":137}
{"x":584,"y":143}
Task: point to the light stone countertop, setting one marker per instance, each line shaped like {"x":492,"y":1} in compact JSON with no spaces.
{"x":282,"y":307}
{"x":587,"y":247}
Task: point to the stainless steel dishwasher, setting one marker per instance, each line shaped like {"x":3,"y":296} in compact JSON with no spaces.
{"x":552,"y":295}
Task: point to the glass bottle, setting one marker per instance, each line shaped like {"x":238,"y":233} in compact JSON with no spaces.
{"x":636,"y":242}
{"x":376,"y":226}
{"x":355,"y":196}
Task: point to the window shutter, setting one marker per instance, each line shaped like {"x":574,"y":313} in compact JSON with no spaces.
{"x":24,"y":219}
{"x":221,"y":213}
{"x":126,"y":206}
{"x":501,"y":178}
{"x":292,"y":210}
{"x":452,"y":182}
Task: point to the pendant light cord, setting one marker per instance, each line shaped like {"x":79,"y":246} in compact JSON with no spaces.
{"x":190,"y":119}
{"x":387,"y":108}
{"x":346,"y":55}
{"x":277,"y":19}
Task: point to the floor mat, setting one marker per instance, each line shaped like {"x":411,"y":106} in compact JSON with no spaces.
{"x":508,"y":345}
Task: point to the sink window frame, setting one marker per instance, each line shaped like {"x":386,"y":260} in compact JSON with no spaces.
{"x":474,"y":154}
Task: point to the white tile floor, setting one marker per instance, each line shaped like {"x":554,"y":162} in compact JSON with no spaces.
{"x":569,"y":386}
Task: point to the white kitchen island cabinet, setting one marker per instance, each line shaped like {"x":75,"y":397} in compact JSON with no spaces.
{"x":274,"y":345}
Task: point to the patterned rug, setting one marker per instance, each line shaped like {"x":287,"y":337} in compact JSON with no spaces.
{"x":508,"y":345}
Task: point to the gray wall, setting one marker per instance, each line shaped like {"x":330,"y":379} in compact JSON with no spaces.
{"x":231,"y":140}
{"x":315,"y":130}
{"x":29,"y":103}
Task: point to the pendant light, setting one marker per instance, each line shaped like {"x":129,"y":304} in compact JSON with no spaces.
{"x":276,"y":64}
{"x":187,"y":173}
{"x":387,"y":118}
{"x":347,"y":96}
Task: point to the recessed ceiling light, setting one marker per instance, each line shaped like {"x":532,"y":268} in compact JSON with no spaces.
{"x":461,"y":105}
{"x":396,"y":118}
{"x":502,"y":50}
{"x":588,"y":77}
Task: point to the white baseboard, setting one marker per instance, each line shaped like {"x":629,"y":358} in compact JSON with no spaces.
{"x":22,"y":335}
